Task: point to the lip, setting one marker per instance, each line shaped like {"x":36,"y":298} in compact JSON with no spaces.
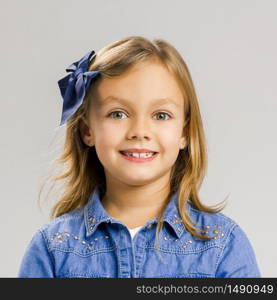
{"x":139,"y":150}
{"x":139,"y":159}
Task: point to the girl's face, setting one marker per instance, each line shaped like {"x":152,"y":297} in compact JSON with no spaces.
{"x":143,"y":108}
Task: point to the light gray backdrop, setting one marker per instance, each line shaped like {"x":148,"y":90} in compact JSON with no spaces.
{"x":230,"y":48}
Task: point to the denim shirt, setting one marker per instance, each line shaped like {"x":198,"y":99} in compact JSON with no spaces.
{"x":88,"y":242}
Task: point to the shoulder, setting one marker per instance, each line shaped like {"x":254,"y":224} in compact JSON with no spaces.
{"x":224,"y":231}
{"x":68,"y":224}
{"x":217,"y":224}
{"x":235,"y":256}
{"x":38,"y":259}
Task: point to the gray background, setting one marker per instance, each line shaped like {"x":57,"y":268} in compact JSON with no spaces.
{"x":230,"y":48}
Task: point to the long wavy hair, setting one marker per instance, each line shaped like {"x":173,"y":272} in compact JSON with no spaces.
{"x":82,"y":170}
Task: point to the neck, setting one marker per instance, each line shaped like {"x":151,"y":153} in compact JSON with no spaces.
{"x":135,"y":205}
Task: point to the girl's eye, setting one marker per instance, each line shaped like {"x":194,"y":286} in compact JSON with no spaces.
{"x":165,"y":114}
{"x":118,"y":113}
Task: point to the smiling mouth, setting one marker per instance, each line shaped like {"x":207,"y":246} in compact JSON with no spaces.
{"x":138,"y":154}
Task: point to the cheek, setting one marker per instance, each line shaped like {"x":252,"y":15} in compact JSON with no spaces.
{"x":170,"y":137}
{"x":107,"y":137}
{"x":170,"y":144}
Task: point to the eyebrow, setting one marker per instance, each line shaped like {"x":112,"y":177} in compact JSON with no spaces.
{"x":153,"y":101}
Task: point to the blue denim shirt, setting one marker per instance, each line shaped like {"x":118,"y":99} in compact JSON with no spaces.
{"x":88,"y":242}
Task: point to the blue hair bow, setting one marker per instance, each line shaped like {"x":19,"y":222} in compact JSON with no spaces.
{"x":74,"y":86}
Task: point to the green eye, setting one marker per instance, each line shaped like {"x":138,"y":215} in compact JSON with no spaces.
{"x":117,"y":112}
{"x":165,"y":114}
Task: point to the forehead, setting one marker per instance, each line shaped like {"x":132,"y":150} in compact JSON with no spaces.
{"x":146,"y":80}
{"x":161,"y":101}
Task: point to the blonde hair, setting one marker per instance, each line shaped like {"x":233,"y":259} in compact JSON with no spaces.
{"x":83,"y":170}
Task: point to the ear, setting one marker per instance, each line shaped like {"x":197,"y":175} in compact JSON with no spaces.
{"x":86,"y":132}
{"x":183,"y":140}
{"x":183,"y":143}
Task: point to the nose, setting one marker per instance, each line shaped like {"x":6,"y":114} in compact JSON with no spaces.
{"x":139,"y":129}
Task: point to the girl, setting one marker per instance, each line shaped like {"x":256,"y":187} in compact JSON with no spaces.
{"x":136,"y":156}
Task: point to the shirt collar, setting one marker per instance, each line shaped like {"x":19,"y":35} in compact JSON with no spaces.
{"x":94,"y":214}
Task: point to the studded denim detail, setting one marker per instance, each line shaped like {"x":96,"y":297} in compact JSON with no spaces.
{"x":61,"y":237}
{"x":88,"y":242}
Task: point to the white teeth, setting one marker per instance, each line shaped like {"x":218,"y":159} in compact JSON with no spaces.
{"x":138,"y":155}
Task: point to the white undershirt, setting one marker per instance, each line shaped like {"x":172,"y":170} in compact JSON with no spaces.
{"x":133,"y":231}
